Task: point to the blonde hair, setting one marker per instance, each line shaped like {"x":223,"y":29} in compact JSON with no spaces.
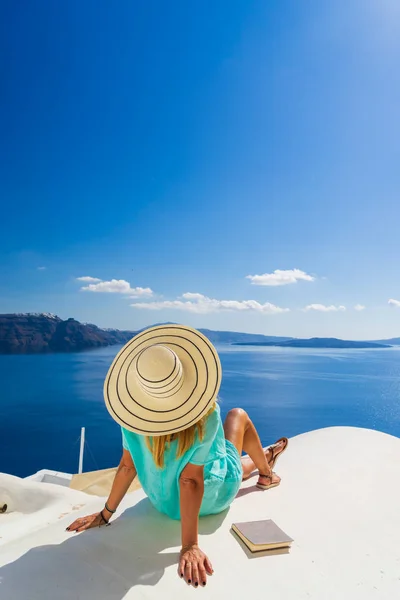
{"x":158,"y":444}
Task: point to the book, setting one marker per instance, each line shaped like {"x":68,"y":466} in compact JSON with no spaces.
{"x":261,"y":536}
{"x":259,"y":553}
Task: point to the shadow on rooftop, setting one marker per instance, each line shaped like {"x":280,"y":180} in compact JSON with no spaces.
{"x":101,"y":563}
{"x":248,"y":490}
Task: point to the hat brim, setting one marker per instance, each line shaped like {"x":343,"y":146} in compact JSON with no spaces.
{"x":178,"y":408}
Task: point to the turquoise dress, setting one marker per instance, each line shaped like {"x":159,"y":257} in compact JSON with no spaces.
{"x":222,"y":469}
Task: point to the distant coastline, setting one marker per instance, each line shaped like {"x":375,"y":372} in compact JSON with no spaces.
{"x":40,"y":333}
{"x":317,"y":343}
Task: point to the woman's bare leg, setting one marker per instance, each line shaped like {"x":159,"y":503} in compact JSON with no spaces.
{"x":248,"y":466}
{"x":240,"y":430}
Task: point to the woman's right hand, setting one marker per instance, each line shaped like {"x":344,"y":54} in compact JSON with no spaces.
{"x":88,"y":522}
{"x":194,"y":566}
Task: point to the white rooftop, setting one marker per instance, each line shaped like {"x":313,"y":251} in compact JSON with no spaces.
{"x":339,"y":499}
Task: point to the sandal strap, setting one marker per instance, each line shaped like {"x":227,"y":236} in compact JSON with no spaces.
{"x":274,"y":447}
{"x":266,"y":476}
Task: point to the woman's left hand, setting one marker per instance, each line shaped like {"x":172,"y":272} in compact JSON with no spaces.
{"x":194,"y":566}
{"x":83,"y":523}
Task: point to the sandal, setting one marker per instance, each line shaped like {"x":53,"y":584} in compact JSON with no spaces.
{"x":276,"y":456}
{"x":262,"y":486}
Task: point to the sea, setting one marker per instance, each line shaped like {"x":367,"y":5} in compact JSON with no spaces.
{"x":46,"y":399}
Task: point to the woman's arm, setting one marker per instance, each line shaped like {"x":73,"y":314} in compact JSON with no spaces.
{"x":191,"y":485}
{"x":124,"y":476}
{"x":194,"y":564}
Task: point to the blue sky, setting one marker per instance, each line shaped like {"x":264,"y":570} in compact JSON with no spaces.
{"x":179,"y":148}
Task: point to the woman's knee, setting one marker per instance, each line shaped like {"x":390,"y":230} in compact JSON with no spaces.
{"x":238,"y":413}
{"x":235,"y":427}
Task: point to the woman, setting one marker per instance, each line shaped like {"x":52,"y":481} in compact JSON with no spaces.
{"x":162,"y":389}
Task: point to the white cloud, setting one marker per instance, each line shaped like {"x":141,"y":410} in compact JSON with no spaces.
{"x":359,"y":307}
{"x":88,"y":279}
{"x":198,"y":303}
{"x":41,"y":268}
{"x":279,"y":277}
{"x":323,"y":308}
{"x":117,"y":286}
{"x":193,"y":296}
{"x":395,"y":303}
{"x":139,"y":292}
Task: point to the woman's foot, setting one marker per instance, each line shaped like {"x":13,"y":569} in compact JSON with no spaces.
{"x":273,"y":452}
{"x":267,"y":481}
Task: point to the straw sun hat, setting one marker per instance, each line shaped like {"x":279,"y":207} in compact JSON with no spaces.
{"x":163,"y":381}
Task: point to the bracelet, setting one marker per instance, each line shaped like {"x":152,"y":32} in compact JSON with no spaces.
{"x":104,"y":519}
{"x":109,"y":509}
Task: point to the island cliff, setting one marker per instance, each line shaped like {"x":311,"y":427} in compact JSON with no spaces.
{"x":40,"y":333}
